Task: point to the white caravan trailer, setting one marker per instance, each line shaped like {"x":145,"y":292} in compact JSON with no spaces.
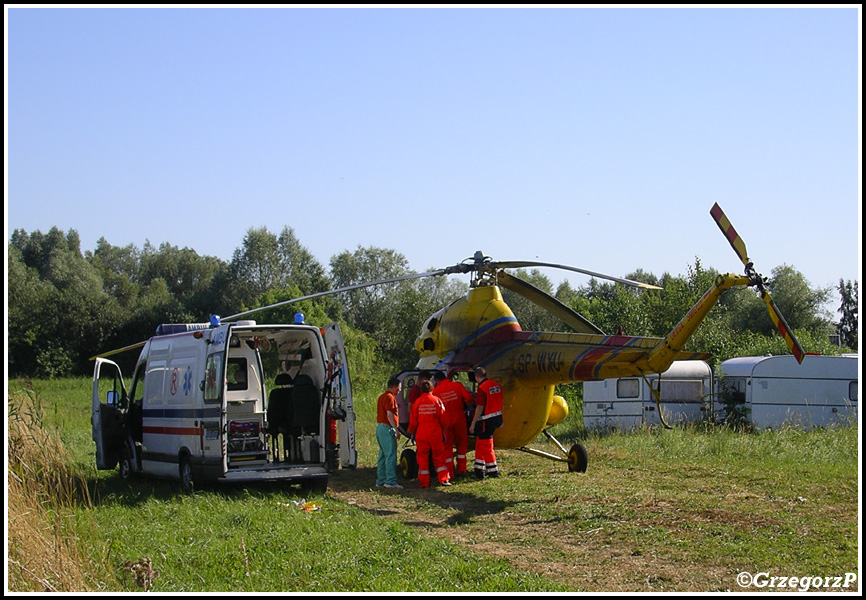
{"x":211,"y":402}
{"x":776,"y":391}
{"x":628,"y":402}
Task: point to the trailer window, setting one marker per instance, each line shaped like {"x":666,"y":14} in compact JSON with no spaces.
{"x":683,"y":390}
{"x":852,"y":391}
{"x":213,"y":377}
{"x":627,"y":388}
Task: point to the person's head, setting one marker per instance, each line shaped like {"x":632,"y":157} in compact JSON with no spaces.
{"x":439,"y":376}
{"x":426,"y":386}
{"x":480,"y":373}
{"x":424,"y":375}
{"x":394,"y":384}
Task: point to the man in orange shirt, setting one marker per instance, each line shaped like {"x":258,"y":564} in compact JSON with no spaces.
{"x":387,"y":435}
{"x":455,"y":397}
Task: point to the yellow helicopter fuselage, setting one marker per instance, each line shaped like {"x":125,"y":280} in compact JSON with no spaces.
{"x":481,"y":330}
{"x":473,"y":331}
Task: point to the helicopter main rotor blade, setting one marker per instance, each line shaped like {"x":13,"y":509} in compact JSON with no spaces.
{"x":730,"y":233}
{"x":347,"y":288}
{"x":519,"y":264}
{"x":118,"y":350}
{"x":739,"y":247}
{"x":783,"y":327}
{"x":570,"y":317}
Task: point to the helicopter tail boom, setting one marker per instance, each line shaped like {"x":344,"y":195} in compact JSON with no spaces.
{"x":663,"y":355}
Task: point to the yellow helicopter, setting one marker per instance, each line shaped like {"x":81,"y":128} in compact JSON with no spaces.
{"x":481,"y":330}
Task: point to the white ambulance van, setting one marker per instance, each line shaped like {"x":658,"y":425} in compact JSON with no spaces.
{"x":233,"y":402}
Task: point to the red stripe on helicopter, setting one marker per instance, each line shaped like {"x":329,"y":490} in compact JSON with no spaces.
{"x":500,"y":330}
{"x":585,"y":367}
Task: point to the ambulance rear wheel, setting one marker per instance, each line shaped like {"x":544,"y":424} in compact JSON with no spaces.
{"x":185,"y":468}
{"x":408,"y":464}
{"x":577,"y":459}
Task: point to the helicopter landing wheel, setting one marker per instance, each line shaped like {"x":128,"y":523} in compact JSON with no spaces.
{"x":408,"y":464}
{"x":577,"y":459}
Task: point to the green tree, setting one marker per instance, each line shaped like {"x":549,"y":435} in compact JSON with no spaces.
{"x":369,"y":308}
{"x":266,"y":261}
{"x":71,"y":318}
{"x":847,"y":326}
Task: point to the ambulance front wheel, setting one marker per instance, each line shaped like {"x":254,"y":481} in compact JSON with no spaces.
{"x":408,"y":464}
{"x":577,"y":459}
{"x":126,"y":467}
{"x":185,"y":468}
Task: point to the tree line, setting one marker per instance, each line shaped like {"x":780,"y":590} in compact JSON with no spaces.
{"x":66,"y":305}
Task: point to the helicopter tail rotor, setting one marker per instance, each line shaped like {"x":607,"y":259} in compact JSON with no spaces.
{"x":758,"y":281}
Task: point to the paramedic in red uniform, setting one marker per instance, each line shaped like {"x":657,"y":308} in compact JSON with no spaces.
{"x":409,"y":398}
{"x":487,"y":418}
{"x":455,"y":397}
{"x":425,"y":423}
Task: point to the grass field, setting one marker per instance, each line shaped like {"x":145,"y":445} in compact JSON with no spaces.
{"x":657,"y":510}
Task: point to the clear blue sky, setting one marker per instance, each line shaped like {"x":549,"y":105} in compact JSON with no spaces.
{"x":593,"y":137}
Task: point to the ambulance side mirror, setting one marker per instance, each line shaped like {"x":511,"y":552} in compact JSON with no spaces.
{"x":112,"y":398}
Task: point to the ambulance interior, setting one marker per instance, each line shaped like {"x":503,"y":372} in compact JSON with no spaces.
{"x":274,"y":396}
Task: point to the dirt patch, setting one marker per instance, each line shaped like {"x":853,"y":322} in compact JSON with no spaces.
{"x":603,"y":555}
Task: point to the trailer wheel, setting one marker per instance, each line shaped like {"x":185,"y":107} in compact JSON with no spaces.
{"x":577,"y":459}
{"x":408,"y":464}
{"x":185,"y":468}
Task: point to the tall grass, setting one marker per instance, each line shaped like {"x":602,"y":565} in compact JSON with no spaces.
{"x":658,"y":509}
{"x":42,"y":490}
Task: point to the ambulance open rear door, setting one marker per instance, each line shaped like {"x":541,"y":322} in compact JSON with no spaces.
{"x":341,"y":407}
